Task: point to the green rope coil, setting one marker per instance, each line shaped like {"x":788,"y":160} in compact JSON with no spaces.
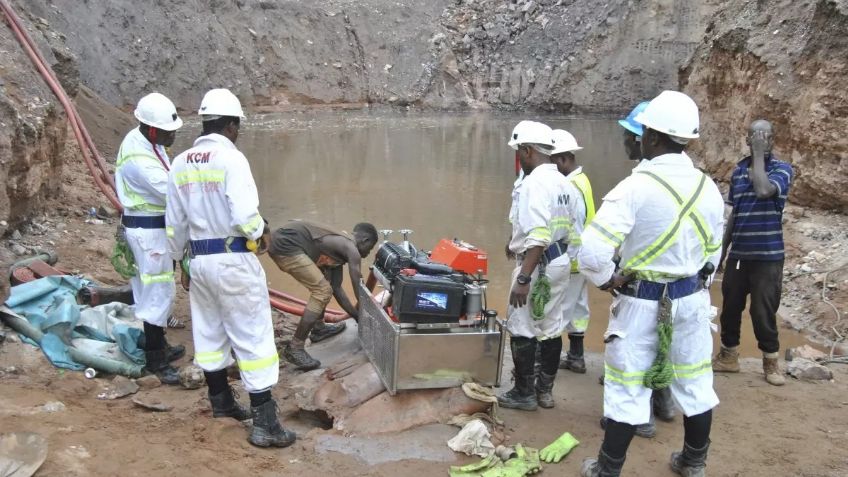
{"x":123,"y":260}
{"x":540,"y":295}
{"x":661,"y":372}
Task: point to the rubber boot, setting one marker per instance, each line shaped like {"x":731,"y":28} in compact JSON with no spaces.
{"x":267,"y":431}
{"x":771,"y":370}
{"x":328,"y":330}
{"x":544,"y":386}
{"x":158,"y":365}
{"x":173,"y":353}
{"x":690,"y":462}
{"x":646,"y":431}
{"x":663,"y":404}
{"x":574,"y":361}
{"x":575,"y":364}
{"x":300,"y":358}
{"x":727,"y":360}
{"x":603,"y":466}
{"x":523,"y":395}
{"x":225,"y":404}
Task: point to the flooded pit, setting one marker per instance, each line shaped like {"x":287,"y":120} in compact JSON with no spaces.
{"x":443,"y":176}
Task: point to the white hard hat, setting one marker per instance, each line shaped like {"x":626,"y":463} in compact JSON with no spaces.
{"x":564,"y":142}
{"x":158,"y":111}
{"x":220,"y":102}
{"x":672,"y":113}
{"x":531,"y":132}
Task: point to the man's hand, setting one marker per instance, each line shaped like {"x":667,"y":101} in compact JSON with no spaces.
{"x":759,"y":142}
{"x":510,"y":255}
{"x":264,"y":241}
{"x":518,"y":295}
{"x":616,"y":281}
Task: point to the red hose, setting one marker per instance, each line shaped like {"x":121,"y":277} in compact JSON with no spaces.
{"x":94,"y":161}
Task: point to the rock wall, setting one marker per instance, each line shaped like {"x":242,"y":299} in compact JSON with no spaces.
{"x":784,"y":61}
{"x":565,"y":55}
{"x":33,"y":126}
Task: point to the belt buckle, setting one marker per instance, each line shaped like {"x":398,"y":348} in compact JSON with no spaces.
{"x":227,"y":243}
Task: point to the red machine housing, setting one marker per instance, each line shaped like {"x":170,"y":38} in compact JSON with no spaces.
{"x":461,"y":256}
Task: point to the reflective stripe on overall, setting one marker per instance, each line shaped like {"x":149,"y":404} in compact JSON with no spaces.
{"x":686,"y":211}
{"x":581,"y":182}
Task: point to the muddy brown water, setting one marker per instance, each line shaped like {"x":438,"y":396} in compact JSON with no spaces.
{"x":443,"y":176}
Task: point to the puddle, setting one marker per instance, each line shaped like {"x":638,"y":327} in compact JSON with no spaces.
{"x":443,"y":176}
{"x":422,"y":443}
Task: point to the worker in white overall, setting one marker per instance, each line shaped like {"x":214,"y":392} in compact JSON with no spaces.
{"x":667,"y":221}
{"x":141,"y":179}
{"x":213,"y":217}
{"x":542,"y":216}
{"x":576,"y":307}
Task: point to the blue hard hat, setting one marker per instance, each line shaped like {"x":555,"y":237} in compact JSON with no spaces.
{"x":629,"y":122}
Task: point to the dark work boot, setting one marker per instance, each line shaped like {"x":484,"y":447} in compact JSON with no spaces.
{"x":523,"y":395}
{"x":691,"y":462}
{"x":158,"y":365}
{"x":544,"y":386}
{"x":603,"y":466}
{"x":267,"y":430}
{"x":647,"y":431}
{"x":574,"y":364}
{"x":300,"y":358}
{"x":173,"y":353}
{"x":225,"y":404}
{"x":663,"y":404}
{"x":327,"y":331}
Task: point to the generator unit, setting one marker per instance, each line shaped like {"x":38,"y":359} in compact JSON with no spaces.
{"x":429,"y":328}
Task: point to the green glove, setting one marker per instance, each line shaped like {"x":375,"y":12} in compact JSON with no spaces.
{"x":476,"y":469}
{"x":525,"y":462}
{"x":559,"y":448}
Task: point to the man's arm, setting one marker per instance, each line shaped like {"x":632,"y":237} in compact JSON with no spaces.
{"x":334,"y":276}
{"x":725,"y":242}
{"x":763,"y":187}
{"x":243,"y":198}
{"x":606,"y":233}
{"x":176,"y":222}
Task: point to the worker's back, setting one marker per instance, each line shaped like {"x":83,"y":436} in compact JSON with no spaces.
{"x":213,"y":186}
{"x":677,"y":216}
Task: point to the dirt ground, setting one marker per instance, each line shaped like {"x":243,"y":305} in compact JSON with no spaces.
{"x":759,"y":430}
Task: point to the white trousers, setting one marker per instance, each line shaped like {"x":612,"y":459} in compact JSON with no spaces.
{"x":575,"y":310}
{"x":520,"y":323}
{"x":153,"y":287}
{"x":632,"y":347}
{"x":230,"y":311}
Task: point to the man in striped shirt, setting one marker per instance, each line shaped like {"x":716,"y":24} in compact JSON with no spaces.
{"x":754,"y":234}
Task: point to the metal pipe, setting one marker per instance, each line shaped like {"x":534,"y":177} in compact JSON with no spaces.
{"x":102,"y":364}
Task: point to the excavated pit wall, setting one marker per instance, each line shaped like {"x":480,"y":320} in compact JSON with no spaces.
{"x":785,"y":61}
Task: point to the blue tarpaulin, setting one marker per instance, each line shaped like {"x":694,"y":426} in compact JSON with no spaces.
{"x":49,"y":304}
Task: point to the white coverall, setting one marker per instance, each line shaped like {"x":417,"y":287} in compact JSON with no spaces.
{"x":575,"y":309}
{"x":635,"y":216}
{"x":142,"y":183}
{"x":212,"y":195}
{"x":542,"y":212}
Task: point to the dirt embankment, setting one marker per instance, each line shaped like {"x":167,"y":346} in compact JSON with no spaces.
{"x":785,"y":61}
{"x":33,"y":126}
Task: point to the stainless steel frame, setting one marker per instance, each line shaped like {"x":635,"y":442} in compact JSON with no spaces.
{"x":423,"y":359}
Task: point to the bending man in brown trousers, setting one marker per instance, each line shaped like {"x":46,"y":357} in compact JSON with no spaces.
{"x":314,"y":255}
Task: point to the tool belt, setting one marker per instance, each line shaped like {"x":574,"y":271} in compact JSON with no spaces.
{"x":219,"y":245}
{"x":646,"y":290}
{"x":553,"y":252}
{"x":143,"y":222}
